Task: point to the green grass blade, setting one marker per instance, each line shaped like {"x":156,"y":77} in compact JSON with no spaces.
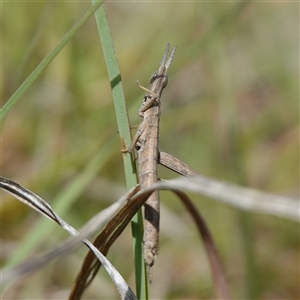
{"x":125,"y":135}
{"x":45,"y":62}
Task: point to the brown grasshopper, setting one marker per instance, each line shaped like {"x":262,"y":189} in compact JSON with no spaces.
{"x":145,"y":142}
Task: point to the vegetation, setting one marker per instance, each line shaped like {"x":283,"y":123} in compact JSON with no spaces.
{"x":230,"y":111}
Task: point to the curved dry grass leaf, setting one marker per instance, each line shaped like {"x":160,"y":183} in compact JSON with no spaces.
{"x":65,"y":247}
{"x":104,"y":240}
{"x":242,"y":198}
{"x":216,"y":266}
{"x":236,"y":196}
{"x":36,"y":202}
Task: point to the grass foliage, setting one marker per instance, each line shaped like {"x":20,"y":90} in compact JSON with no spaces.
{"x":230,"y":111}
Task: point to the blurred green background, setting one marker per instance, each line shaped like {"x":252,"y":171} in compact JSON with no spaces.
{"x":230,"y":111}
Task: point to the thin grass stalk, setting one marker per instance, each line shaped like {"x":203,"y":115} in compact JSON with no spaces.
{"x":125,"y":136}
{"x":12,"y":101}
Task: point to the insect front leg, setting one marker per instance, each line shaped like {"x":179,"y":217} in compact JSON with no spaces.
{"x":135,"y":139}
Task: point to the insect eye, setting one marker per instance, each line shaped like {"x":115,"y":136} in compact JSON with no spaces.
{"x":165,"y":82}
{"x":153,"y":77}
